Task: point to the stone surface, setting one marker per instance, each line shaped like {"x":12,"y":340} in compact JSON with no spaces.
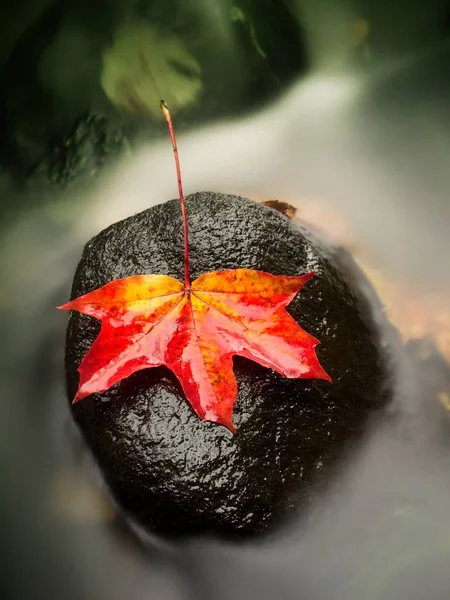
{"x":92,"y":144}
{"x":177,"y":475}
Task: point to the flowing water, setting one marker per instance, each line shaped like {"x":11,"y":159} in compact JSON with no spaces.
{"x":371,"y":148}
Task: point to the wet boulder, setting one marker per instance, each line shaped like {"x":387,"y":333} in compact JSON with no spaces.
{"x":176,"y":475}
{"x":92,"y":144}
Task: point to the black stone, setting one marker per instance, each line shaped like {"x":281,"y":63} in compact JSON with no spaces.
{"x":175,"y":474}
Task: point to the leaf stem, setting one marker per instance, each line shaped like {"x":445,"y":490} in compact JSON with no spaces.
{"x":166,"y":113}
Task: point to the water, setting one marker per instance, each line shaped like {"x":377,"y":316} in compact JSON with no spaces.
{"x":371,"y":148}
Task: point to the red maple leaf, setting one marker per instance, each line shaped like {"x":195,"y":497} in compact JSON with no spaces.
{"x":195,"y":329}
{"x":152,"y":320}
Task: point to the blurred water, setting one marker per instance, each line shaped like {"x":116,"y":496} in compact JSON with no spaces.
{"x":376,"y":148}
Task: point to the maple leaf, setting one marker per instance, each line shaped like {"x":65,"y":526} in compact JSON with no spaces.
{"x":153,"y":320}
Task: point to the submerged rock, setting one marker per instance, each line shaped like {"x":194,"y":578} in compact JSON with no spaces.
{"x":177,"y":475}
{"x":113,"y":58}
{"x":92,"y":144}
